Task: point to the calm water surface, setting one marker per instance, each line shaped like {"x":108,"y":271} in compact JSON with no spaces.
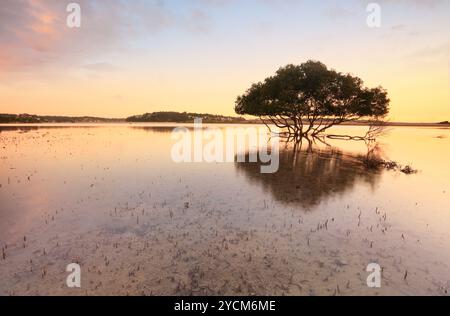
{"x":111,"y":199}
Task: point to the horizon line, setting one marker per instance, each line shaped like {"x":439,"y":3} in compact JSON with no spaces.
{"x":388,"y":122}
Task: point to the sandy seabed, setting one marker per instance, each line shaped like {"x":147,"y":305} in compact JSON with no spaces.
{"x":110,"y":199}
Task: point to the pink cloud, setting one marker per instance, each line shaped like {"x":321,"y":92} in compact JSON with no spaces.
{"x":33,"y":33}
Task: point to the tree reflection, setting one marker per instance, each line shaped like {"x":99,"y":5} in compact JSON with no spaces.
{"x":306,"y":176}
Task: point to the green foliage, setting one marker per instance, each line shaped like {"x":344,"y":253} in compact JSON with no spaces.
{"x":313,"y":92}
{"x":183,"y":117}
{"x":32,"y":119}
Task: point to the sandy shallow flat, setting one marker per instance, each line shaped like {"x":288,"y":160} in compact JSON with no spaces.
{"x":111,"y":199}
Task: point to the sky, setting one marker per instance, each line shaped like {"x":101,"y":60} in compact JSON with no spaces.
{"x":134,"y":56}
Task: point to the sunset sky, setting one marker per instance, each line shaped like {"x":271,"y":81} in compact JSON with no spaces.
{"x":132,"y":56}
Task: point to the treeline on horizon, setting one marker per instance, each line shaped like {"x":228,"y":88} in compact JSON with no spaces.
{"x":157,"y":117}
{"x":29,"y":118}
{"x":170,"y":117}
{"x":183,"y":117}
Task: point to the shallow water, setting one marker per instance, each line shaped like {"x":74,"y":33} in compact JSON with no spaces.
{"x":110,"y":198}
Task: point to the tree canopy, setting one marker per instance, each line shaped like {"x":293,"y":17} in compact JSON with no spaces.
{"x":309,"y":98}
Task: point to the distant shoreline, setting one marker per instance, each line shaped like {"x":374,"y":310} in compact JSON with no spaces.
{"x":164,"y":118}
{"x":248,"y":122}
{"x":155,"y":117}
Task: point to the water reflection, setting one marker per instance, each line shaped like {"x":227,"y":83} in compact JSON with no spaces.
{"x":308,"y":176}
{"x":112,"y":199}
{"x":21,"y":129}
{"x":155,"y":129}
